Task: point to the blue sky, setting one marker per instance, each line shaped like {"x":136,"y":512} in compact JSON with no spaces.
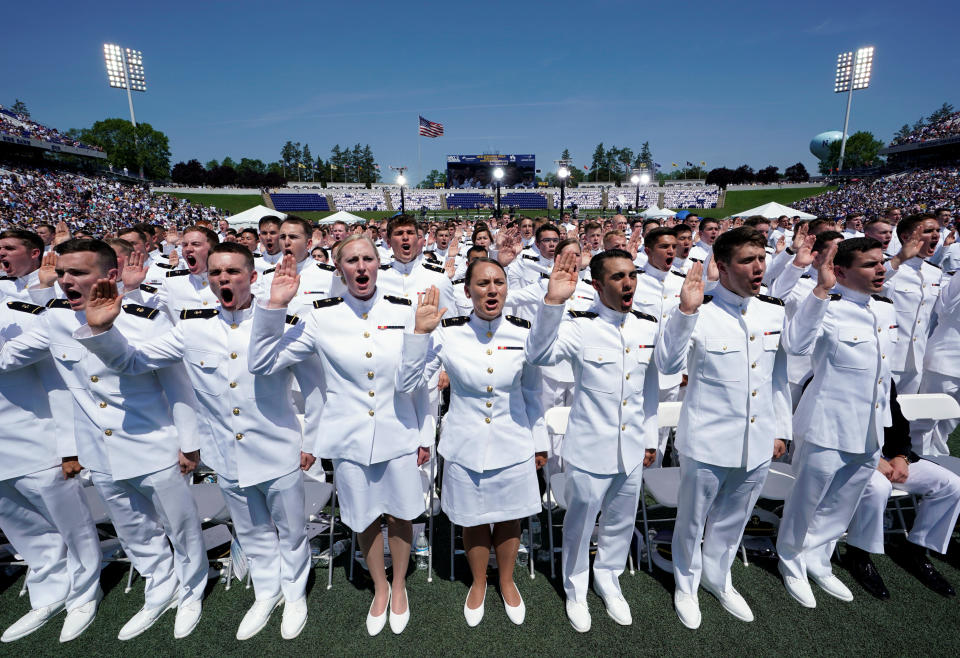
{"x":728,"y":83}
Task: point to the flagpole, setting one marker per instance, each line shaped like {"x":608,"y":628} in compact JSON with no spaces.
{"x":419,"y":162}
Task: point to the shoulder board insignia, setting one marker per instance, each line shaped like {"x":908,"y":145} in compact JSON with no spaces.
{"x":257,"y":255}
{"x":640,"y":271}
{"x":148,"y":288}
{"x":834,"y":296}
{"x":535,"y":259}
{"x":166,"y":266}
{"x":326,"y":268}
{"x":292,"y":320}
{"x":589,"y":282}
{"x":520,"y":322}
{"x":457,"y":282}
{"x":385,"y":267}
{"x":932,"y":265}
{"x":32,"y":309}
{"x":147,"y":312}
{"x":695,"y":260}
{"x":8,"y":278}
{"x":178,"y":273}
{"x":59,"y":303}
{"x":429,"y":255}
{"x":951,"y":273}
{"x":544,"y":275}
{"x":881,"y":298}
{"x":805,"y":276}
{"x":329,"y":301}
{"x":272,"y":269}
{"x":643,"y":316}
{"x":707,"y":299}
{"x":194,"y":313}
{"x":398,"y":300}
{"x":582,"y":314}
{"x":679,"y":274}
{"x":770,"y":300}
{"x":458,"y":321}
{"x":434,"y":268}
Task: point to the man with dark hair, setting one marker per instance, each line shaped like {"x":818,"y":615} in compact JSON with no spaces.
{"x":271,"y":253}
{"x":316,"y":279}
{"x":892,"y":216}
{"x":684,"y":235}
{"x":46,"y":233}
{"x":249,"y":238}
{"x":709,"y":230}
{"x":537,"y":261}
{"x":593,"y":237}
{"x":20,"y":254}
{"x":730,"y":343}
{"x":137,"y":435}
{"x":853,"y":225}
{"x":841,"y":415}
{"x":882,"y":231}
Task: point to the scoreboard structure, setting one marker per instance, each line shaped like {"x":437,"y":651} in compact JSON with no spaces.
{"x":472,"y":171}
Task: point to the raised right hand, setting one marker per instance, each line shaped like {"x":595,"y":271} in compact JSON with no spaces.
{"x":428,"y":314}
{"x":103,"y":307}
{"x":826,"y":277}
{"x":285,"y":284}
{"x":691,"y":292}
{"x":47,"y":274}
{"x":804,"y":257}
{"x":134,"y":271}
{"x":563,"y":278}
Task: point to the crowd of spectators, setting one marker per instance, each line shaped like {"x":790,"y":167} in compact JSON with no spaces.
{"x":948,"y":126}
{"x":912,"y":192}
{"x":30,"y":196}
{"x":20,"y":125}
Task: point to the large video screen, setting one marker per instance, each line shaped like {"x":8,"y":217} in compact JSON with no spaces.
{"x":467,"y":171}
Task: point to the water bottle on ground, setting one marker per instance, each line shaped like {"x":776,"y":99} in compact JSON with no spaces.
{"x":522,"y":556}
{"x":422,"y":550}
{"x":535,"y":532}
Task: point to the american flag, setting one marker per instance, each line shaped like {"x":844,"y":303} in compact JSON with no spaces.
{"x":430,"y":128}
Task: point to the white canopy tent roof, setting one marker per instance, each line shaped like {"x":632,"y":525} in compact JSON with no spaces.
{"x":656,"y":212}
{"x":342,"y":216}
{"x":250,"y":218}
{"x":773,"y":210}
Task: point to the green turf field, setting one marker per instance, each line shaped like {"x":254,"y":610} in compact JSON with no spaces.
{"x":739,"y":200}
{"x":915,"y":622}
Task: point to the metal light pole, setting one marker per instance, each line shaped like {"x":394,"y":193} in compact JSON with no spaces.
{"x":125,"y":71}
{"x":401,"y":181}
{"x":498,"y":176}
{"x":853,"y":72}
{"x":635,"y":179}
{"x":562,"y":174}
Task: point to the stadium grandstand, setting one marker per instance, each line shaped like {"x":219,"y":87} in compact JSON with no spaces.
{"x":20,"y":130}
{"x":429,"y":199}
{"x":697,"y":197}
{"x":296,"y":202}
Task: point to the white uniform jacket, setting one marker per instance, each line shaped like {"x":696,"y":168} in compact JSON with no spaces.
{"x":613,"y":417}
{"x":31,"y":439}
{"x":367,"y":418}
{"x":180,"y":290}
{"x":407,"y":280}
{"x":914,"y":288}
{"x":495,"y":418}
{"x":657,"y":294}
{"x":16,"y":286}
{"x":850,"y":337}
{"x":738,"y":397}
{"x":255,"y":435}
{"x":126,"y":425}
{"x":316,"y":282}
{"x":943,"y":347}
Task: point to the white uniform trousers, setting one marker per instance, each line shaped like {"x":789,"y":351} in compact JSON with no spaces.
{"x":929,"y":437}
{"x":936,"y":513}
{"x":714,"y":505}
{"x":828,"y":486}
{"x":270,"y":524}
{"x":615,"y":498}
{"x":908,"y":381}
{"x":671,"y":394}
{"x":148,"y":510}
{"x":44,"y":517}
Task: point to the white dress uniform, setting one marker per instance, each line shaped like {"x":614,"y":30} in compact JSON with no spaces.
{"x":737,"y":402}
{"x":41,"y":513}
{"x":316,"y":282}
{"x":255,"y":440}
{"x":700,"y":252}
{"x":941,"y":370}
{"x":613,"y":420}
{"x":369,"y":427}
{"x":16,"y":286}
{"x":128,"y":439}
{"x":495,"y":422}
{"x":793,"y":286}
{"x":180,"y":290}
{"x":840,"y":421}
{"x":914,"y":288}
{"x":265,"y":263}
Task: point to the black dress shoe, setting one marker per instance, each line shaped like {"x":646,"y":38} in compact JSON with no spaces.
{"x":923,"y":569}
{"x":865,"y":572}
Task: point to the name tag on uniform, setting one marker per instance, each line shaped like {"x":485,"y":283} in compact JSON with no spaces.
{"x":509,"y":347}
{"x":646,"y":347}
{"x":894,"y":326}
{"x":771,"y":333}
{"x":390,"y":326}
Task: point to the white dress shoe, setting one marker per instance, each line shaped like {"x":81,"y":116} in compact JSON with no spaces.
{"x":688,"y":609}
{"x":618,"y":609}
{"x":579,"y":615}
{"x":80,"y":618}
{"x":31,"y":622}
{"x":515,"y":613}
{"x":732,"y":602}
{"x":188,"y":616}
{"x":146,"y":618}
{"x":257,"y":616}
{"x":398,"y":621}
{"x":474,"y":615}
{"x":799,"y":589}
{"x":294,"y":618}
{"x":833,"y":586}
{"x":376,"y":624}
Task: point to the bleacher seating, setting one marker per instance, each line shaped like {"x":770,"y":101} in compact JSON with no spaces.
{"x":23,"y":126}
{"x":360,"y":199}
{"x":530,"y":200}
{"x":648,"y":196}
{"x":416,"y":199}
{"x":583,"y":198}
{"x":296,"y":202}
{"x":469,"y":200}
{"x":697,"y":197}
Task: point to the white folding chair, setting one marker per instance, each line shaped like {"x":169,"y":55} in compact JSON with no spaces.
{"x":662,"y":483}
{"x":556,"y":419}
{"x":928,"y":406}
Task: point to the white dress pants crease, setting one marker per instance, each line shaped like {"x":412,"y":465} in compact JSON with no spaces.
{"x":44,"y":517}
{"x":146,"y":511}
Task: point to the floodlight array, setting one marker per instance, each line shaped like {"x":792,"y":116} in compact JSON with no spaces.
{"x":114,"y":57}
{"x":854,"y":70}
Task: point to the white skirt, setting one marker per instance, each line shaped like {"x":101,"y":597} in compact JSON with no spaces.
{"x":366,"y":492}
{"x":504,"y":494}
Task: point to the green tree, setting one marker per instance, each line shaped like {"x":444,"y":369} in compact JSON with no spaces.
{"x":862,"y":151}
{"x":19,"y":107}
{"x":306,"y":159}
{"x":942,"y":113}
{"x":435,"y":176}
{"x":599,"y":160}
{"x":565,"y":156}
{"x":288,"y":155}
{"x":213,"y":164}
{"x":646,"y":157}
{"x":903,"y":132}
{"x":228,"y":162}
{"x":797,"y":173}
{"x":126,"y":148}
{"x":370,"y":172}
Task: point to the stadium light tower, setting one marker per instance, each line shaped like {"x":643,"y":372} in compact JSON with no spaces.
{"x":853,"y":72}
{"x":562,"y":174}
{"x":498,"y":176}
{"x":401,"y":181}
{"x":125,"y":71}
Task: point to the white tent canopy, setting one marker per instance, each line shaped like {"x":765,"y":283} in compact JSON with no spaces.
{"x":250,"y":218}
{"x":655,"y":212}
{"x":773,"y":210}
{"x":342,"y":216}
